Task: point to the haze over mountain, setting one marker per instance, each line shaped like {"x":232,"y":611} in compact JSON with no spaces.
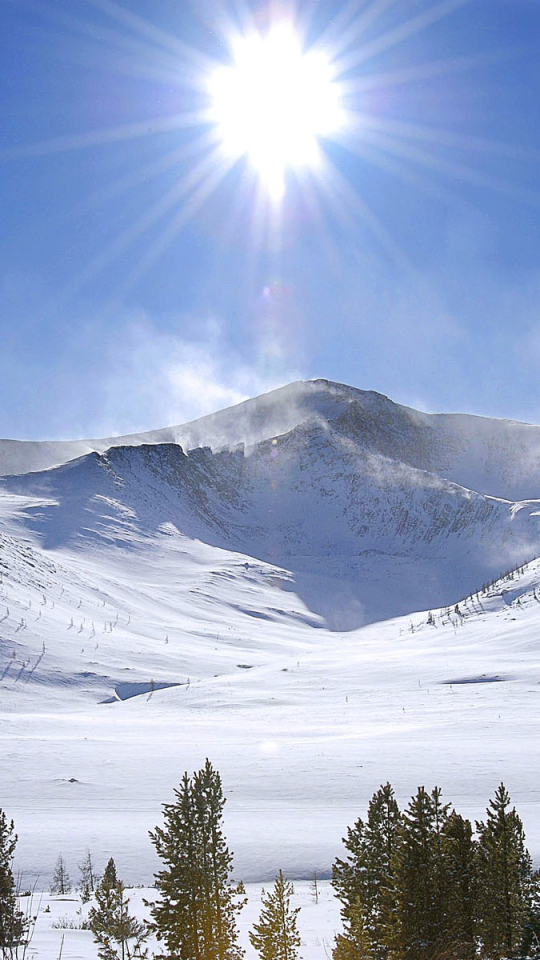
{"x":373,"y":508}
{"x":232,"y":595}
{"x":500,"y":458}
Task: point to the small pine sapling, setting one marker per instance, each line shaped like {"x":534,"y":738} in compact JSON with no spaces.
{"x":61,"y":883}
{"x":275,"y":936}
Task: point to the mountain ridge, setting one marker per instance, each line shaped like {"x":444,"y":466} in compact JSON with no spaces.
{"x":461,"y":447}
{"x":321,"y":502}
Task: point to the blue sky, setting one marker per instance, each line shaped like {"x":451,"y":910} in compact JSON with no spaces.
{"x":412,"y":267}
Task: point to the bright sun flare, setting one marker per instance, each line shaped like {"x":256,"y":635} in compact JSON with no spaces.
{"x":274,"y":103}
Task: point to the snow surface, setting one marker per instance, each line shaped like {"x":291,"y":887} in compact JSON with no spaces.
{"x":257,"y":606}
{"x":497,"y":457}
{"x":58,"y":919}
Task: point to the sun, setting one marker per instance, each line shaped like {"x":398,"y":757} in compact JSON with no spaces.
{"x":274,"y":103}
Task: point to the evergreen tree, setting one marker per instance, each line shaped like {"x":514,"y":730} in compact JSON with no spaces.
{"x":275,"y":936}
{"x":195,"y":916}
{"x":13,"y":923}
{"x":109,"y":874}
{"x":101,"y":917}
{"x":460,"y":874}
{"x":354,"y":943}
{"x":504,"y":879}
{"x":61,"y":884}
{"x":363,"y":882}
{"x":88,"y":877}
{"x":420,"y":925}
{"x":119,"y":935}
{"x":531,"y":933}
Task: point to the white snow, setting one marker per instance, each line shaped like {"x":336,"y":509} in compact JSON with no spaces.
{"x":158,"y":608}
{"x":59,"y":918}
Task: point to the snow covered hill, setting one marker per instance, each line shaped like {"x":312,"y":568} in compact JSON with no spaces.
{"x":255,"y":600}
{"x":496,"y":457}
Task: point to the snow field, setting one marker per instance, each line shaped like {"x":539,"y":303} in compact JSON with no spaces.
{"x":157,"y":609}
{"x":317,"y":922}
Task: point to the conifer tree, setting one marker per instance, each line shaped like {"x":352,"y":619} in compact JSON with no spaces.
{"x":420,"y":924}
{"x":196,"y":915}
{"x":61,"y":884}
{"x":531,"y":933}
{"x":109,"y":874}
{"x":119,"y":935}
{"x":363,"y":882}
{"x":459,"y":850}
{"x":504,"y":879}
{"x":13,"y":923}
{"x":88,"y":877}
{"x":101,"y":916}
{"x":275,"y":936}
{"x":354,"y":943}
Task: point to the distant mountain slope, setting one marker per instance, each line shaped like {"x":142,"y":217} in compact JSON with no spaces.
{"x":364,"y":536}
{"x":496,"y":457}
{"x":123,"y":668}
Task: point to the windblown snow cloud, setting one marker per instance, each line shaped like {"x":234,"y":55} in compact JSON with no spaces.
{"x":157,"y":378}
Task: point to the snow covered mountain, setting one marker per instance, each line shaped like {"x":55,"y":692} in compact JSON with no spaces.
{"x":362,"y":501}
{"x":496,"y":457}
{"x":235,"y":596}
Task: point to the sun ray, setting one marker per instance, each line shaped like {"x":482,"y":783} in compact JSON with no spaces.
{"x":347,"y":202}
{"x":436,"y":135}
{"x":189,"y":182}
{"x":161,"y":38}
{"x":356,"y":23}
{"x":107,"y":135}
{"x":405,"y":171}
{"x":145,"y":173}
{"x":203,"y":190}
{"x":393,"y":37}
{"x":310,"y":193}
{"x":425,"y":71}
{"x":101,"y":39}
{"x":454,"y":169}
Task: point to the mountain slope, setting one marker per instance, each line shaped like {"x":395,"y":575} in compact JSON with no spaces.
{"x":353,"y":527}
{"x":160,"y":604}
{"x":496,"y":457}
{"x":303,"y":725}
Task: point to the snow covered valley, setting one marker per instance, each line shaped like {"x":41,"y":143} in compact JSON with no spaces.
{"x":266,"y":605}
{"x":59,"y":921}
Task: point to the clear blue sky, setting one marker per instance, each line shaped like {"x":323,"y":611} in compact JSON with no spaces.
{"x":121,"y":311}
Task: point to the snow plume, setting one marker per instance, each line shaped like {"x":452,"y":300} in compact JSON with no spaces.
{"x":156,"y":378}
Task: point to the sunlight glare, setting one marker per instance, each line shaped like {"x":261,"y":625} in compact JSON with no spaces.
{"x":274,"y":103}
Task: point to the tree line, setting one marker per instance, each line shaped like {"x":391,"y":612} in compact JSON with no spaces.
{"x":413,"y":885}
{"x":419,"y":885}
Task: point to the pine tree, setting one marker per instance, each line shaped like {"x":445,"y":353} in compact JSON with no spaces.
{"x":196,"y":915}
{"x":88,"y":877}
{"x":420,"y":925}
{"x":109,"y":874}
{"x":504,"y":879}
{"x":275,"y":936}
{"x":13,"y":923}
{"x":61,"y":884}
{"x":354,"y":943}
{"x":101,"y":916}
{"x":531,"y":933}
{"x":119,"y":935}
{"x":459,"y":865}
{"x":363,"y":882}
